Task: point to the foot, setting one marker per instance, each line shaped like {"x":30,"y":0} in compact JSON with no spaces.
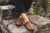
{"x":29,"y":26}
{"x":19,"y":21}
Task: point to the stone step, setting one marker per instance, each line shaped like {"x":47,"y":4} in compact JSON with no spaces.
{"x":4,"y":30}
{"x":7,"y":22}
{"x":40,"y":24}
{"x":38,"y":20}
{"x":10,"y":25}
{"x":15,"y":29}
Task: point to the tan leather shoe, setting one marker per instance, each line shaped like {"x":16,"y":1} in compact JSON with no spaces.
{"x":29,"y":26}
{"x":19,"y":21}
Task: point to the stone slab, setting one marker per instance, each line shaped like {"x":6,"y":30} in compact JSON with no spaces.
{"x":7,"y":22}
{"x":15,"y":29}
{"x":4,"y":30}
{"x":38,"y":20}
{"x":35,"y":19}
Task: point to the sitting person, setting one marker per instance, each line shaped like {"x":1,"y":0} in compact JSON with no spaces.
{"x":22,"y":6}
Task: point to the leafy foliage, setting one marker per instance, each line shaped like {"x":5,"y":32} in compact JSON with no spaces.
{"x":39,"y":4}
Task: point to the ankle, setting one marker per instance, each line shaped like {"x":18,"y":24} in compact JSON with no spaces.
{"x":23,"y":14}
{"x":27,"y":21}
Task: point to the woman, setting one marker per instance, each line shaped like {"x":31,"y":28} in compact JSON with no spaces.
{"x":22,"y":6}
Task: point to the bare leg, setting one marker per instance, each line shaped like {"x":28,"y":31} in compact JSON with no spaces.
{"x":27,"y":22}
